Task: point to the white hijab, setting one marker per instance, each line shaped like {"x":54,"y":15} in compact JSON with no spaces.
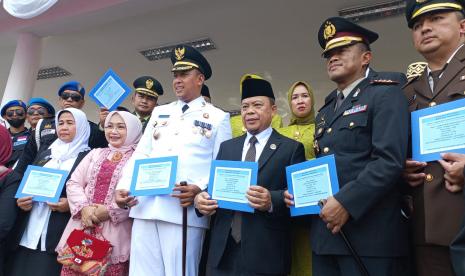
{"x":61,"y":150}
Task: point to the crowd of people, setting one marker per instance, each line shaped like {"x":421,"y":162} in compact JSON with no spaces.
{"x":402,"y":216}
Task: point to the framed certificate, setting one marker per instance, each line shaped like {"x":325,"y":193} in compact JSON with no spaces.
{"x":310,"y":182}
{"x":43,"y":184}
{"x":154,"y":176}
{"x":229,"y":182}
{"x":438,"y":129}
{"x":110,"y":91}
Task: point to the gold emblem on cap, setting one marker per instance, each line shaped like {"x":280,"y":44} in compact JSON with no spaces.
{"x":149,"y":84}
{"x":179,"y":53}
{"x":330,"y":30}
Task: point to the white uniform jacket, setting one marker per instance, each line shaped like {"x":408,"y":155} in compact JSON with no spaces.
{"x":185,"y":135}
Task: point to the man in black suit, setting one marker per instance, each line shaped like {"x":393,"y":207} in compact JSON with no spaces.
{"x":254,"y":243}
{"x":364,"y":123}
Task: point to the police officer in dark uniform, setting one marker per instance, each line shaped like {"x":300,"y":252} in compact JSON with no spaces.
{"x":364,"y":123}
{"x":145,"y":98}
{"x":71,"y":95}
{"x":14,"y":112}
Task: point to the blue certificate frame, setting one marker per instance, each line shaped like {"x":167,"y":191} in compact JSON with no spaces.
{"x":110,"y":91}
{"x":154,"y":176}
{"x":227,"y":175}
{"x":33,"y":181}
{"x":311,"y":181}
{"x":438,"y":129}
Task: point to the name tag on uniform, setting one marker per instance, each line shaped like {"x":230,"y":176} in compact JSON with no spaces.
{"x":19,"y":143}
{"x":355,"y":109}
{"x":47,"y":132}
{"x":163,"y":116}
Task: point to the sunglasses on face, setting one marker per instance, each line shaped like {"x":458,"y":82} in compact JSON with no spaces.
{"x":41,"y":111}
{"x":19,"y":112}
{"x":74,"y":97}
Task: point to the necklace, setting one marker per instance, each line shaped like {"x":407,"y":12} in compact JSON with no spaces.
{"x":117,"y":156}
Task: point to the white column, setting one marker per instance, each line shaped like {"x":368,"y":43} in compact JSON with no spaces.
{"x":24,"y":69}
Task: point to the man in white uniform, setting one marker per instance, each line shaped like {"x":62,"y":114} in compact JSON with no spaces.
{"x":192,"y":130}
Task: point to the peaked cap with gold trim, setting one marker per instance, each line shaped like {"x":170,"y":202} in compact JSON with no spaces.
{"x":148,"y":86}
{"x":415,"y":8}
{"x":185,"y":57}
{"x":338,"y":32}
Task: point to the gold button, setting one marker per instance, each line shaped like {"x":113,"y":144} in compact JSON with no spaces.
{"x":432,"y":103}
{"x":429,"y":177}
{"x":329,"y":130}
{"x":351,"y":124}
{"x":326,"y":150}
{"x":320,"y":130}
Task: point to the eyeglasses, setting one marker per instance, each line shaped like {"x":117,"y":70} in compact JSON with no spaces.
{"x":74,"y":97}
{"x":118,"y":128}
{"x":41,"y":111}
{"x":19,"y":112}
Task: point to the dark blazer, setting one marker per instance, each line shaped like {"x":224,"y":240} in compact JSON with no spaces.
{"x":432,"y":223}
{"x":265,"y":240}
{"x":58,"y":220}
{"x":368,"y":136}
{"x":48,"y":136}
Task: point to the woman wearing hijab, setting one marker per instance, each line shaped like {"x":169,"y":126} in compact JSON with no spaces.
{"x":91,"y":191}
{"x":9,"y":182}
{"x":301,"y":128}
{"x":40,"y":224}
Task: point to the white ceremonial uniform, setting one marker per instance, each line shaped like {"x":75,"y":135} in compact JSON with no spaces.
{"x":157,"y":230}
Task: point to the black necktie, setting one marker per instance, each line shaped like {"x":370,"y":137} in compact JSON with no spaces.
{"x":184,"y":108}
{"x":252,"y":151}
{"x":237,"y":219}
{"x":339,"y":101}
